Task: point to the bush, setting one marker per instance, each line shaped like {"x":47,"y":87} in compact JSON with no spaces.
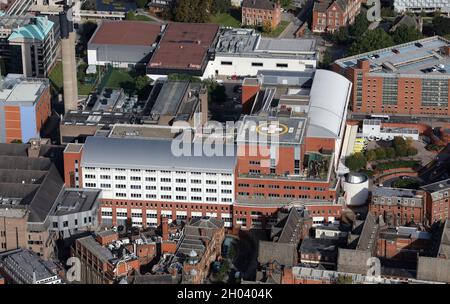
{"x":396,"y":164}
{"x":407,"y":183}
{"x":380,"y":153}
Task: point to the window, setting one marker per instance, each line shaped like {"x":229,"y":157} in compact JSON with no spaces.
{"x":166,"y":188}
{"x":65,"y":224}
{"x":282,"y":65}
{"x":105,"y":176}
{"x":55,"y":224}
{"x":226,"y":63}
{"x":120,"y":186}
{"x":259,"y":64}
{"x":167,"y":197}
{"x":196,"y":181}
{"x":136,"y":195}
{"x":135,"y":187}
{"x":211,"y":182}
{"x":226,"y":183}
{"x":105,"y":185}
{"x":120,"y":177}
{"x":150,"y":196}
{"x":120,"y":194}
{"x":135,"y":178}
{"x":150,"y":187}
{"x":89,"y":176}
{"x":166,"y":180}
{"x":180,"y":180}
{"x":180,"y":189}
{"x":150,"y":179}
{"x":91,"y":185}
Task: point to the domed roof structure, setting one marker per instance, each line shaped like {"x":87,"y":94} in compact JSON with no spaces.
{"x":355,"y":178}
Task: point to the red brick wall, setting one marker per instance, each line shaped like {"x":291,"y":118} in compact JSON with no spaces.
{"x":69,"y":168}
{"x":248,"y":96}
{"x":43,"y":109}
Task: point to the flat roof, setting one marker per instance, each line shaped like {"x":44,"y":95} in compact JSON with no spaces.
{"x":126,"y":32}
{"x":283,"y":130}
{"x":143,"y":131}
{"x":420,"y":57}
{"x":19,"y":90}
{"x":299,"y":46}
{"x":154,"y":154}
{"x":72,"y":201}
{"x":184,"y":46}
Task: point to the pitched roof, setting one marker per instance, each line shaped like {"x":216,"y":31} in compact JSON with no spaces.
{"x":259,"y":4}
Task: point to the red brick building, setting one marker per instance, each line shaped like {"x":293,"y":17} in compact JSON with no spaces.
{"x":406,"y":80}
{"x":259,"y":12}
{"x":329,"y":15}
{"x":437,"y":201}
{"x":398,"y":206}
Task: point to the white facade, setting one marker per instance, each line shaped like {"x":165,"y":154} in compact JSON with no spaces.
{"x":161,"y":185}
{"x":356,"y":187}
{"x":226,"y":65}
{"x":374,"y":130}
{"x":422,"y":5}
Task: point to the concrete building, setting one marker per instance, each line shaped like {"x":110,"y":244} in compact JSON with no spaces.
{"x":123,"y":44}
{"x":243,"y":52}
{"x":22,"y":266}
{"x":330,"y":15}
{"x":142,"y":180}
{"x":24,"y":108}
{"x":356,"y":187}
{"x":398,"y":206}
{"x":437,"y":201}
{"x":375,"y":129}
{"x":418,"y":6}
{"x":169,"y":101}
{"x":75,"y":211}
{"x":411,"y":79}
{"x":260,"y":12}
{"x":29,"y":45}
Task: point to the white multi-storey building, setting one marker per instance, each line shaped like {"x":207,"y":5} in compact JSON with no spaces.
{"x":243,"y":52}
{"x":142,"y":180}
{"x":422,"y":5}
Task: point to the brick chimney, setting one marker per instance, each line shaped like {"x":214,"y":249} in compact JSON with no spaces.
{"x":165,"y":228}
{"x":363,"y":64}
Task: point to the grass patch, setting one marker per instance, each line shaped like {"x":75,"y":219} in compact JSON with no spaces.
{"x":276,"y":32}
{"x":118,"y":78}
{"x":232,"y":19}
{"x":56,"y":77}
{"x":396,"y":164}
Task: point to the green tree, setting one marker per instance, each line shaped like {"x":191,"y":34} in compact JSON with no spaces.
{"x":326,"y":59}
{"x":220,"y":6}
{"x":405,"y":33}
{"x":130,"y":15}
{"x":141,"y":3}
{"x":285,"y":3}
{"x":360,"y":25}
{"x":390,"y":152}
{"x":441,"y":25}
{"x":142,"y":84}
{"x":371,"y":40}
{"x":356,"y":162}
{"x":341,"y":36}
{"x":381,"y":153}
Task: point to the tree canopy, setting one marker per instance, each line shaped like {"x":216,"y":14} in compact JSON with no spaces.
{"x":441,"y":25}
{"x":371,"y":40}
{"x":405,"y":34}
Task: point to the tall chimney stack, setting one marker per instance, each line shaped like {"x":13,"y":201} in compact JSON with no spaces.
{"x":68,"y":39}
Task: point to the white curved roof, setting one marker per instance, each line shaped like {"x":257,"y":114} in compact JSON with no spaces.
{"x":329,"y":98}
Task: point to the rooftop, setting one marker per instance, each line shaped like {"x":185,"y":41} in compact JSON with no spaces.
{"x":150,"y":154}
{"x":420,"y":57}
{"x":15,"y":89}
{"x":27,"y":26}
{"x":184,"y":46}
{"x":33,"y":183}
{"x":396,"y":192}
{"x":247,"y":42}
{"x":126,"y":33}
{"x":75,"y":200}
{"x":259,"y":4}
{"x":143,"y":131}
{"x":444,"y":246}
{"x":29,"y":264}
{"x":438,"y":186}
{"x":282,"y":130}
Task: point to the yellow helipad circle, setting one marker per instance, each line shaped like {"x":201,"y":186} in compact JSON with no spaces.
{"x":276,"y":127}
